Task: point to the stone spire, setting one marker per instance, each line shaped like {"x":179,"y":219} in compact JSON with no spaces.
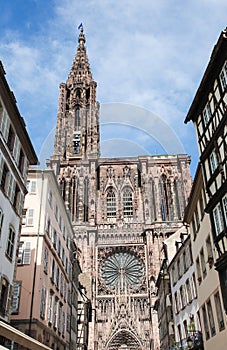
{"x":80,"y":70}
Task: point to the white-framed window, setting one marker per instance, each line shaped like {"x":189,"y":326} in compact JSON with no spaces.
{"x":224,"y":202}
{"x":127,"y":202}
{"x":1,"y":219}
{"x":223,"y":77}
{"x":218,"y":219}
{"x":111,"y":203}
{"x":207,"y":114}
{"x":16,"y":297}
{"x":24,"y":253}
{"x":213,"y":161}
{"x":10,"y":243}
{"x":43,"y":303}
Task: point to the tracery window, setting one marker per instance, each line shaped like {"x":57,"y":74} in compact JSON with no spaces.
{"x":77,"y":119}
{"x":127,"y":202}
{"x":111,"y":203}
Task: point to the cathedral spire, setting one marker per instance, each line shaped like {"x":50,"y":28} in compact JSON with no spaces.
{"x":80,"y":70}
{"x":77,"y":131}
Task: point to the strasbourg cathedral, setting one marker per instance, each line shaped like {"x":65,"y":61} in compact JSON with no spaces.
{"x":122,"y":209}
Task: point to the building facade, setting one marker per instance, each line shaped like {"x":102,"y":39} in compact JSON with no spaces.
{"x":121,"y":210}
{"x":16,"y":153}
{"x":209,"y":114}
{"x":211,"y":314}
{"x":40,"y":305}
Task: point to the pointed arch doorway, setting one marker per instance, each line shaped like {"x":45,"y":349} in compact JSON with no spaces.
{"x":124,"y":340}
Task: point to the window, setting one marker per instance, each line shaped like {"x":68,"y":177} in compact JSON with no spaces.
{"x":50,"y":306}
{"x":5,"y":125}
{"x":63,"y":324}
{"x":11,"y":138}
{"x":219,"y":312}
{"x":30,"y":217}
{"x":211,"y":318}
{"x":1,"y":220}
{"x":45,"y":260}
{"x":10,"y":244}
{"x":24,"y":253}
{"x":205,"y":321}
{"x":198,"y":270}
{"x":4,"y":295}
{"x":127,"y":203}
{"x":43,"y":303}
{"x":4,"y":179}
{"x":111,"y":203}
{"x":21,"y":161}
{"x":16,"y":297}
{"x":189,"y":293}
{"x":207,"y":114}
{"x":33,"y":186}
{"x":224,"y":203}
{"x":55,"y":320}
{"x":223,"y":77}
{"x":203,"y":263}
{"x":77,"y":119}
{"x":209,"y":252}
{"x":218,"y":219}
{"x":213,"y":161}
{"x":16,"y":149}
{"x":50,"y":198}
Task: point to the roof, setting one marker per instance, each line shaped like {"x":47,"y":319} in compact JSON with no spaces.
{"x":217,"y":59}
{"x":17,"y":120}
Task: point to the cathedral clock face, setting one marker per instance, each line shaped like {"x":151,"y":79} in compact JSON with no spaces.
{"x":122,"y":270}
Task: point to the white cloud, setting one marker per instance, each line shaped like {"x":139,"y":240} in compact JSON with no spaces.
{"x":147,"y":53}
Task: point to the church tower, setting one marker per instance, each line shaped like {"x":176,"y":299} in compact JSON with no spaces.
{"x":122,"y":209}
{"x":77,"y":131}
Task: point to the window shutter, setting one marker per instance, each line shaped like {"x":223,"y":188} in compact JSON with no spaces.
{"x":27,"y":253}
{"x":1,"y":166}
{"x":16,"y":297}
{"x":30,"y":217}
{"x":16,"y":149}
{"x":43,"y":303}
{"x":5,"y":125}
{"x":33,"y":187}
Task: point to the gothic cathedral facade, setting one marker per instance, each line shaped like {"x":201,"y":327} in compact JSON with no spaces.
{"x":121,"y":210}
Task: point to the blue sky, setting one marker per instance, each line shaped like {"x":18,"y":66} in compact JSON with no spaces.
{"x":148,"y":54}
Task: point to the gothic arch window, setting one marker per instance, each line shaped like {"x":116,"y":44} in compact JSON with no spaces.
{"x":166,"y":198}
{"x":77,"y":119}
{"x":111,"y":203}
{"x":127,"y":202}
{"x":177,"y":199}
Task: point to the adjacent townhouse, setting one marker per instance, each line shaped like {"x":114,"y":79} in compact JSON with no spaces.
{"x":42,"y":286}
{"x":16,"y":154}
